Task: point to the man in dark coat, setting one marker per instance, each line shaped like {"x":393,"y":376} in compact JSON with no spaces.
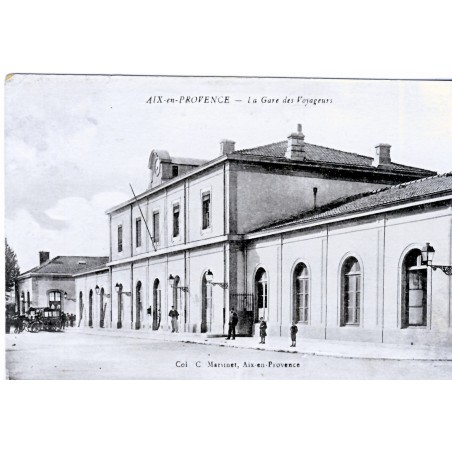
{"x":174,"y":316}
{"x":262,"y":330}
{"x":293,"y":334}
{"x":233,"y":320}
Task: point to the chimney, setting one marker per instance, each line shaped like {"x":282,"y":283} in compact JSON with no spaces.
{"x":227,"y":146}
{"x":44,"y":256}
{"x":295,"y":145}
{"x":382,"y":154}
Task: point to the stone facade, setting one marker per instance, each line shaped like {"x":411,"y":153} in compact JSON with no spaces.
{"x":216,"y":216}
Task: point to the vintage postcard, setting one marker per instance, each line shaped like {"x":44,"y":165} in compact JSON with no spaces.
{"x":227,"y":228}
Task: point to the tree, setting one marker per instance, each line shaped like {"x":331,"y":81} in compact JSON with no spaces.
{"x":12,"y":270}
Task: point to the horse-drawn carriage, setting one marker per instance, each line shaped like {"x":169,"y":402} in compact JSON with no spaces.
{"x":40,"y":319}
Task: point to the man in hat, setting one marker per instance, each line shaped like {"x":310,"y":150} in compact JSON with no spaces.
{"x":174,"y":316}
{"x":233,"y":320}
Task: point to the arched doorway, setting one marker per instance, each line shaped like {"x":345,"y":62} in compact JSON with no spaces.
{"x":138,"y":306}
{"x":261,"y":291}
{"x":90,"y":309}
{"x":119,"y":323}
{"x":102,"y":308}
{"x":156,"y":305}
{"x":80,"y":307}
{"x":206,"y":304}
{"x":414,"y":291}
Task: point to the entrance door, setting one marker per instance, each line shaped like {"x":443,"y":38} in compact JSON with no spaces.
{"x":261,"y":295}
{"x":414,"y":308}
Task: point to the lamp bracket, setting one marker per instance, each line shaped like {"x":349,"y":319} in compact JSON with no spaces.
{"x":224,"y":285}
{"x":447,"y":269}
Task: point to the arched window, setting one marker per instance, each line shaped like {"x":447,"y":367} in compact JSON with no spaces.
{"x":261,"y":291}
{"x":157,"y":305}
{"x":414,"y":290}
{"x":138,"y":306}
{"x":351,"y":292}
{"x":301,"y":294}
{"x":102,"y":308}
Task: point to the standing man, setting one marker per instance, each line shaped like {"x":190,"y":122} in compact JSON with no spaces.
{"x":233,"y":320}
{"x":174,"y":316}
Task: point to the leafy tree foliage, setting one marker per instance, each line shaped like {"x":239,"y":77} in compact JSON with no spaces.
{"x":12,"y":270}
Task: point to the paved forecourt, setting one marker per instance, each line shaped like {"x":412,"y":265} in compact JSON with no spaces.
{"x":77,"y":354}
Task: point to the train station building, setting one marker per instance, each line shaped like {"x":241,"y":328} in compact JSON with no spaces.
{"x":289,"y":231}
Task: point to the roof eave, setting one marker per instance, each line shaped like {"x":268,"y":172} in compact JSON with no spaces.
{"x":346,"y":216}
{"x":165,"y":185}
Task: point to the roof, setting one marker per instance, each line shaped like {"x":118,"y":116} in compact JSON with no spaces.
{"x":187,"y":161}
{"x":66,"y":265}
{"x":371,"y":201}
{"x":96,"y":269}
{"x":275,"y":152}
{"x":322,"y":154}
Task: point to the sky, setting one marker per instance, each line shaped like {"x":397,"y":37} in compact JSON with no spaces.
{"x":74,"y":143}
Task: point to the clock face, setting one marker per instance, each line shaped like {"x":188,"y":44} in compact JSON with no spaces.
{"x":157,"y":166}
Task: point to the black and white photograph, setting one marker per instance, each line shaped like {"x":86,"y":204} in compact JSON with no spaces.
{"x":227,"y":225}
{"x":178,"y":228}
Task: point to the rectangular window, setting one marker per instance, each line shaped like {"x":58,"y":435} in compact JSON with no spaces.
{"x":55,"y":296}
{"x":119,"y":238}
{"x":352,"y":299}
{"x":176,"y":212}
{"x":206,"y":210}
{"x":302,"y":294}
{"x":175,"y":171}
{"x":138,"y":232}
{"x":417,"y":298}
{"x":156,"y":226}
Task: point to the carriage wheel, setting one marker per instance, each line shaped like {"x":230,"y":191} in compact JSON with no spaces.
{"x":35,"y":327}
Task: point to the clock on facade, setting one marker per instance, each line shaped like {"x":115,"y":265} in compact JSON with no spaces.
{"x":157,"y":166}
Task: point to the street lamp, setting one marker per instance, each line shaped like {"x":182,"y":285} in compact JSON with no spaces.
{"x":427,"y":257}
{"x":106,"y":295}
{"x":118,"y":289}
{"x":66,"y":297}
{"x":209,"y":280}
{"x":172,"y":280}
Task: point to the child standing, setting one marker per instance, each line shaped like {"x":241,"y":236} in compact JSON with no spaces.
{"x":293,"y":334}
{"x":263,"y":330}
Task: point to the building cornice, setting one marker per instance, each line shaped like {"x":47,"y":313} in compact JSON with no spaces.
{"x":302,"y":165}
{"x":177,"y":249}
{"x":43,"y":275}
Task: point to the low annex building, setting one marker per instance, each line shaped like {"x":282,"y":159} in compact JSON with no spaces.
{"x":289,"y":231}
{"x":51,"y":283}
